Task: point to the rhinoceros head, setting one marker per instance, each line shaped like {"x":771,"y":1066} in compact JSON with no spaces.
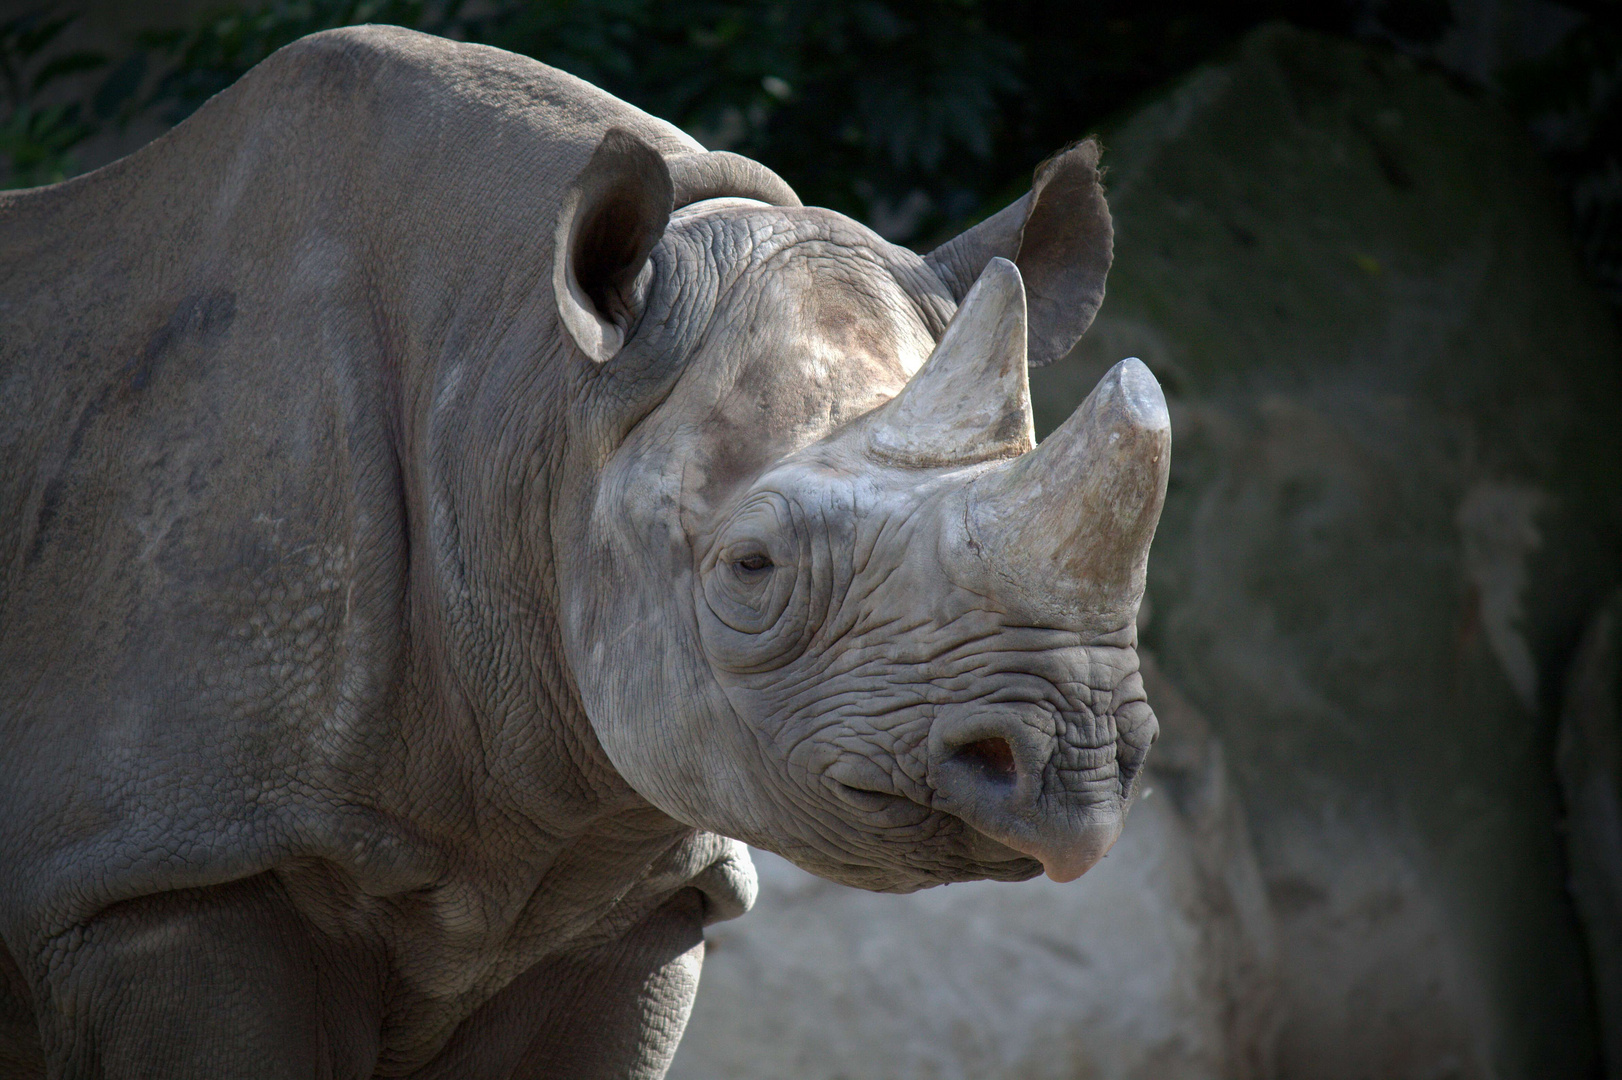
{"x":829,"y":596}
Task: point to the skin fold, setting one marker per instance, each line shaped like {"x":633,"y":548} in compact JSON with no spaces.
{"x":444,"y":512}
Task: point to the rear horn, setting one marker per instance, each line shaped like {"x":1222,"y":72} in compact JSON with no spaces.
{"x":971,"y":401}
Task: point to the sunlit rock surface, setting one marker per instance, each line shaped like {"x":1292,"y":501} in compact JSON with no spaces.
{"x":1395,"y":499}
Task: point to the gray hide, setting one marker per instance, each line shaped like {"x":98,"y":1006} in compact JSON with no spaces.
{"x":442,"y":506}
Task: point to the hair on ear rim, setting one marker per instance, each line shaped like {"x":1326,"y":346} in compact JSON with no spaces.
{"x":611,"y":218}
{"x":1060,"y":236}
{"x":1066,"y":249}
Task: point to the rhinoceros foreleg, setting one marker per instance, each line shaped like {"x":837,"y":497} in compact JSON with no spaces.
{"x":616,"y":1012}
{"x":205,"y":983}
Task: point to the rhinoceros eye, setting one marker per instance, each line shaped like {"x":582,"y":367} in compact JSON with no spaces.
{"x":753,"y":563}
{"x":757,"y":587}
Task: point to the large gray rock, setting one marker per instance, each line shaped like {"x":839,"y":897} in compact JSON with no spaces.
{"x":1154,"y":966}
{"x":1394,"y":501}
{"x":1589,"y":755}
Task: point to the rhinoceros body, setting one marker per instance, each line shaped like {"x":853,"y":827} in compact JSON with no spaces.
{"x":443,"y":511}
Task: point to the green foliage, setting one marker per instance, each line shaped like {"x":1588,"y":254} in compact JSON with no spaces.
{"x":200,"y":62}
{"x":889,"y":111}
{"x":1572,"y":101}
{"x":37,"y":136}
{"x":911,"y":114}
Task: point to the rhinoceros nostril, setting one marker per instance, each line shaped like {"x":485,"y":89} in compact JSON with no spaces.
{"x":993,"y":757}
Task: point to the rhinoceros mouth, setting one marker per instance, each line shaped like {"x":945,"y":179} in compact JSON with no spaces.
{"x":1008,"y":785}
{"x":868,"y":800}
{"x":982,"y":818}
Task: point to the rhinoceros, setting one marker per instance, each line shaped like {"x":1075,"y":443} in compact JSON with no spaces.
{"x":446,"y":511}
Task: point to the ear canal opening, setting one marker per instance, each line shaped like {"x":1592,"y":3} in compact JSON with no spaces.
{"x":616,"y":213}
{"x":610,"y":249}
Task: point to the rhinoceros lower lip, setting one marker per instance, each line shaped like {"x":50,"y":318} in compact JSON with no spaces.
{"x":1067,"y":859}
{"x":1065,"y":855}
{"x":988,"y":849}
{"x":1066,"y":866}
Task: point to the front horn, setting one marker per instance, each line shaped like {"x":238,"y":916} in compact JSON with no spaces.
{"x":1077,"y":514}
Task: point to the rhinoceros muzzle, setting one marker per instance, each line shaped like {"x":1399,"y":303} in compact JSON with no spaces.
{"x":994,"y":769}
{"x":1056,"y":535}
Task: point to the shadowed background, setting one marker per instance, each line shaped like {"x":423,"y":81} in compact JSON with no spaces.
{"x":1373,"y":252}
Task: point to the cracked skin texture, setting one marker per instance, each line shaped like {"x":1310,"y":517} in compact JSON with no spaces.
{"x":355,"y":707}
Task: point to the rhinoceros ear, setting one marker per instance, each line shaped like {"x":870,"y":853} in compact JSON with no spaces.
{"x":1060,"y":237}
{"x":611,"y":218}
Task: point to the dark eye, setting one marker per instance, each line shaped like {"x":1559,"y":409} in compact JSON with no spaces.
{"x":753,"y":564}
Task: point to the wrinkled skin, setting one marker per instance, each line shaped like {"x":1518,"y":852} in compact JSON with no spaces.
{"x":444,"y":511}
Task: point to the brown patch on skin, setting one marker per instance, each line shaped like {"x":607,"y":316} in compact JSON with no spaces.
{"x":839,"y":327}
{"x":818,"y":335}
{"x":51,"y":500}
{"x":1293,"y":896}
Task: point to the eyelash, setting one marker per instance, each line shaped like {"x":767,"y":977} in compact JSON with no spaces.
{"x":753,"y":564}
